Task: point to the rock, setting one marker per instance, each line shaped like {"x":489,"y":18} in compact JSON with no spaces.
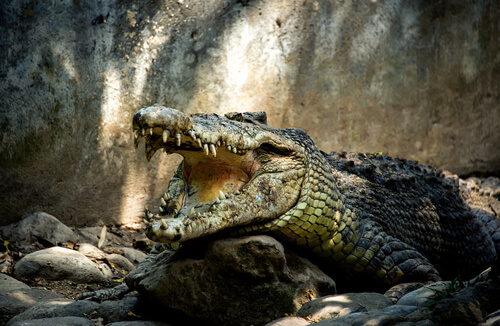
{"x":113,"y":237}
{"x":424,"y":296}
{"x":37,"y":228}
{"x":8,"y":283}
{"x":91,"y":251}
{"x":289,"y":321}
{"x":138,"y":323}
{"x":16,"y":301}
{"x":120,"y":262}
{"x":55,"y":308}
{"x":60,"y":263}
{"x":385,"y":316}
{"x":331,"y":306}
{"x":133,"y":255}
{"x":457,"y":312}
{"x":491,"y":186}
{"x":241,"y":281}
{"x":492,"y":319}
{"x":463,"y":308}
{"x":114,"y":311}
{"x":419,"y":316}
{"x":56,"y":321}
{"x":89,"y":234}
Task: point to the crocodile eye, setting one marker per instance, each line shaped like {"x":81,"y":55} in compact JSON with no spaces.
{"x":235,"y":116}
{"x":239,"y":117}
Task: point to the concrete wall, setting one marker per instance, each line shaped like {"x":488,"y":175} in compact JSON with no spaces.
{"x":414,"y":79}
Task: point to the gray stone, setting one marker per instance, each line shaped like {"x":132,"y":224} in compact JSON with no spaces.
{"x":56,"y":321}
{"x":37,"y":227}
{"x":17,"y":301}
{"x":120,"y":262}
{"x":133,"y":255}
{"x":492,"y":319}
{"x":56,"y":308}
{"x":59,"y":263}
{"x":424,"y":296}
{"x":247,"y":280}
{"x":289,"y":321}
{"x":90,"y":235}
{"x":491,"y":186}
{"x":115,"y":311}
{"x":8,"y":283}
{"x":138,"y":323}
{"x":463,"y":308}
{"x":332,"y":306}
{"x":423,"y":314}
{"x":386,"y":316}
{"x":91,"y":251}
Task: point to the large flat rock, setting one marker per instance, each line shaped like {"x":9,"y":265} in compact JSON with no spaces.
{"x":240,"y":281}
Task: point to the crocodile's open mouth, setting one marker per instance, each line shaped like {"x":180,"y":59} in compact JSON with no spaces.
{"x":225,"y":180}
{"x":209,"y":174}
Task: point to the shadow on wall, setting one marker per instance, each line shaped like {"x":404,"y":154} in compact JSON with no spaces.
{"x":414,"y":80}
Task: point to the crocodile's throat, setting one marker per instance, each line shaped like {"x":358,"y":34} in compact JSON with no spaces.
{"x":204,"y":181}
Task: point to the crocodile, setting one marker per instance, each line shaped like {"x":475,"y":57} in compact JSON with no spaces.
{"x":368,"y":216}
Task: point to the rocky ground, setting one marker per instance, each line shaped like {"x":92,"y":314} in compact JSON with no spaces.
{"x":46,"y":267}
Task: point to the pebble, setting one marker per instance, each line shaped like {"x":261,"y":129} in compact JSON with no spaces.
{"x":56,"y":308}
{"x":56,"y":321}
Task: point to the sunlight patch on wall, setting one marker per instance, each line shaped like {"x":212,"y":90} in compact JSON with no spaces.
{"x":110,"y":107}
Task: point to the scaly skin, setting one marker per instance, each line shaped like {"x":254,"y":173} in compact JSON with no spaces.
{"x":387,"y":219}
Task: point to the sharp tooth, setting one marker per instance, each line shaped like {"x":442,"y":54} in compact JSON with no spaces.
{"x":136,"y":134}
{"x":218,"y":143}
{"x":229,"y":147}
{"x":163,"y":224}
{"x":221,"y":195}
{"x":192,"y":133}
{"x":192,"y":213}
{"x":143,"y":131}
{"x":163,"y":202}
{"x":235,"y":150}
{"x":166,"y":196}
{"x":213,"y":150}
{"x":160,"y":209}
{"x":178,"y":136}
{"x":165,"y":135}
{"x":199,"y":142}
{"x":205,"y":148}
{"x":151,"y":131}
{"x":145,"y":221}
{"x":217,"y":200}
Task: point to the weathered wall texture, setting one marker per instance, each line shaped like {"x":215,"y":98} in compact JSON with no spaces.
{"x":415,"y":79}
